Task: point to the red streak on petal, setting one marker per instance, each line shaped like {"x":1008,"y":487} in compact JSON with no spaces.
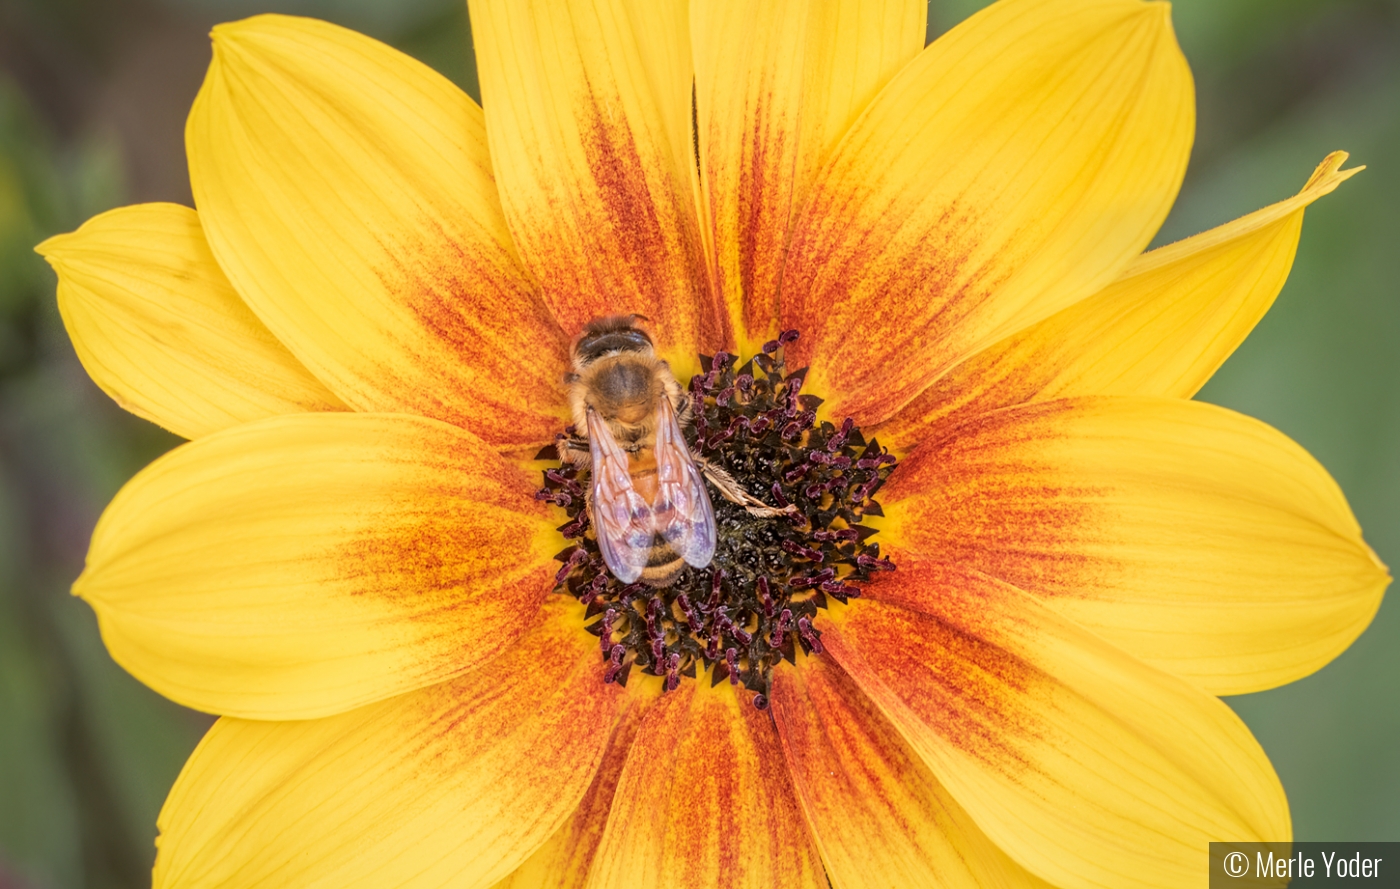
{"x":493,"y":357}
{"x":948,"y":669}
{"x":459,"y":552}
{"x":986,"y":495}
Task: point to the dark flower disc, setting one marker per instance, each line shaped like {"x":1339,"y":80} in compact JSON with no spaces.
{"x":758,"y":600}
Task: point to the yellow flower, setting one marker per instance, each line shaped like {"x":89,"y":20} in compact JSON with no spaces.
{"x":364,"y":331}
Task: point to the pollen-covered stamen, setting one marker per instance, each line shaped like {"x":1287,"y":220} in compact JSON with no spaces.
{"x":757,"y":602}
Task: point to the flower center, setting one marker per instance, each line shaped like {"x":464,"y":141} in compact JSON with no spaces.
{"x":757,"y":602}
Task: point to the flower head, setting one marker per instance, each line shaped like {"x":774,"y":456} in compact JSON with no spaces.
{"x":1005,"y":565}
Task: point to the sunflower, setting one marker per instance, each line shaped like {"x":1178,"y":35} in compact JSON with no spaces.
{"x":906,"y":290}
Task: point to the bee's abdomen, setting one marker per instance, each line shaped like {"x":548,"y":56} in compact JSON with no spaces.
{"x":662,"y":564}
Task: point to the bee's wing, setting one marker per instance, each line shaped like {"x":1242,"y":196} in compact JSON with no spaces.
{"x":621,"y":518}
{"x":683,"y":513}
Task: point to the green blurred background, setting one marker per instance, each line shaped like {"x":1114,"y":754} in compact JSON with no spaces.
{"x":93,"y":97}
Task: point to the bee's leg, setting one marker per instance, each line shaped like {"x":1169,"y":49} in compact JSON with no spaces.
{"x":732,"y":492}
{"x":573,"y":450}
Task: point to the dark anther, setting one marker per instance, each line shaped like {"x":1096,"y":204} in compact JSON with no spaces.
{"x":871,"y":564}
{"x":716,"y":590}
{"x":614,"y":664}
{"x":653,"y":628}
{"x":841,"y":591}
{"x":719,"y":438}
{"x":673,"y":672}
{"x":577,"y":556}
{"x":804,"y":582}
{"x":781,"y":628}
{"x":595,"y":588}
{"x":875,"y":461}
{"x":802,"y":552}
{"x":797,"y":472}
{"x":760,"y":599}
{"x":722,"y":619}
{"x":691,"y":620}
{"x":568,"y":484}
{"x":834,"y":443}
{"x":765,"y":598}
{"x":605,"y":629}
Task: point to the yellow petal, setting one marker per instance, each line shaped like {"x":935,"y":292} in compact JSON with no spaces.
{"x":1086,"y":766}
{"x":1202,"y":541}
{"x":1013,"y":169}
{"x":704,"y":801}
{"x":776,"y":85}
{"x":158,"y":327}
{"x":1163,"y":328}
{"x":563,"y":862}
{"x":588,"y":112}
{"x":347,"y":192}
{"x":879,"y":816}
{"x":451,"y":785}
{"x":306,"y":564}
{"x":854,"y":47}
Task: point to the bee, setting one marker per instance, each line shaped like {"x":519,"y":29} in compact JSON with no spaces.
{"x":647,"y":499}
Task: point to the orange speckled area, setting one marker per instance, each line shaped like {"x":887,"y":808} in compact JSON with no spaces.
{"x":881,"y":312}
{"x":456,"y":782}
{"x":492,"y":358}
{"x":629,"y":243}
{"x":553,"y":662}
{"x":879,"y":815}
{"x":705,"y":802}
{"x":948,"y":666}
{"x":464,"y":548}
{"x":988,"y":494}
{"x":1008,"y":373}
{"x":564,"y":861}
{"x":752,"y":200}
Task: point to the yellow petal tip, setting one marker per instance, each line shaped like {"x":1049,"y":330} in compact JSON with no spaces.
{"x":1162,"y":9}
{"x":228,"y":35}
{"x":49,"y":248}
{"x":1329,"y":173}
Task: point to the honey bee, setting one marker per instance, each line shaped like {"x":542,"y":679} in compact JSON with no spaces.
{"x":647,"y":499}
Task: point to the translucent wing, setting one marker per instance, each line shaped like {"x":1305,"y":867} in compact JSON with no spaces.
{"x":682,"y":512}
{"x":621,"y":518}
